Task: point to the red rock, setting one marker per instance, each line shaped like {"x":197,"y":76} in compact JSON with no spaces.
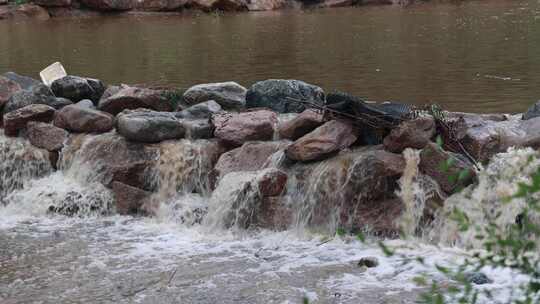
{"x":301,"y":125}
{"x":272,"y":182}
{"x":129,"y":199}
{"x":46,"y":136}
{"x":274,"y":214}
{"x":16,"y":120}
{"x":414,"y":134}
{"x":251,"y":156}
{"x":85,"y":120}
{"x":133,"y":98}
{"x":432,"y":160}
{"x":237,"y":128}
{"x":324,"y":141}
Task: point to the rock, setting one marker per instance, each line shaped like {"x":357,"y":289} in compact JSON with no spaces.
{"x":7,"y":88}
{"x":354,"y":189}
{"x":236,"y":128}
{"x":251,"y":156}
{"x":25,"y":82}
{"x":46,"y":136}
{"x":274,"y":214}
{"x":109,"y":5}
{"x":39,"y":94}
{"x":129,"y":200}
{"x":16,"y":120}
{"x":478,"y":278}
{"x":115,"y":158}
{"x":200,"y":110}
{"x":78,"y":119}
{"x":144,"y":125}
{"x":532,"y":112}
{"x":268,"y":5}
{"x":110,"y":91}
{"x":198,"y":128}
{"x":78,"y":88}
{"x":368,"y":262}
{"x":414,"y":134}
{"x":24,"y":11}
{"x":283,"y":96}
{"x":58,"y":102}
{"x":271,"y":182}
{"x":132,"y":98}
{"x":86,"y":103}
{"x":324,"y":141}
{"x":3,"y":2}
{"x":230,"y":95}
{"x":161,"y":5}
{"x":53,"y":3}
{"x":336,"y":3}
{"x":301,"y":125}
{"x":222,"y":5}
{"x":432,"y":163}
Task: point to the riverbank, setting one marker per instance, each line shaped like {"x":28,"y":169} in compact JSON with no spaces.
{"x":45,"y":9}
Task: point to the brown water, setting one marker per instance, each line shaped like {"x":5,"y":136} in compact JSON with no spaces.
{"x":477,"y":56}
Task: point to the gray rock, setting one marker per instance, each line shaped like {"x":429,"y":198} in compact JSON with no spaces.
{"x":78,"y":88}
{"x":58,"y":102}
{"x":144,"y":125}
{"x":201,"y":110}
{"x":368,"y":262}
{"x":230,"y":95}
{"x":478,"y":278}
{"x":86,"y":103}
{"x":533,"y":111}
{"x":25,"y":98}
{"x":283,"y":96}
{"x":24,"y":82}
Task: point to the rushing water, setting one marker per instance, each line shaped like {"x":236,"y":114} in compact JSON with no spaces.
{"x":99,"y":257}
{"x":479,"y":56}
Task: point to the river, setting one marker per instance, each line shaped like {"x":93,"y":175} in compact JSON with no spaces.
{"x":477,"y":56}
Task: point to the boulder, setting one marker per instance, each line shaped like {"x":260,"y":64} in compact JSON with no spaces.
{"x":236,"y":128}
{"x":7,"y":88}
{"x":3,"y":2}
{"x":324,"y":141}
{"x":129,"y":200}
{"x":132,"y":98}
{"x":23,"y":12}
{"x":38,"y":94}
{"x":160,"y":5}
{"x":222,"y":5}
{"x":25,"y":82}
{"x":283,"y":96}
{"x":145,"y":125}
{"x":445,"y":167}
{"x":275,"y":214}
{"x":78,"y":88}
{"x":16,"y":120}
{"x":271,"y":182}
{"x":53,"y":3}
{"x":268,"y":5}
{"x":109,"y":5}
{"x":416,"y":134}
{"x":230,"y":95}
{"x":58,"y":102}
{"x":86,"y":103}
{"x":532,"y":112}
{"x":198,"y":128}
{"x":114,"y":158}
{"x":200,"y":110}
{"x":46,"y":136}
{"x":301,"y":125}
{"x":78,"y":119}
{"x":251,"y":156}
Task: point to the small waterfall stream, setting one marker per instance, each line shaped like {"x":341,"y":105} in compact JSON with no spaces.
{"x":192,"y":243}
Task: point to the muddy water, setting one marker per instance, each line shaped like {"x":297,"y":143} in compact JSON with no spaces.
{"x":477,"y":56}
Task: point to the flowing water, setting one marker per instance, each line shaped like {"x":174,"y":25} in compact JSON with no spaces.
{"x":99,"y":257}
{"x":478,"y":56}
